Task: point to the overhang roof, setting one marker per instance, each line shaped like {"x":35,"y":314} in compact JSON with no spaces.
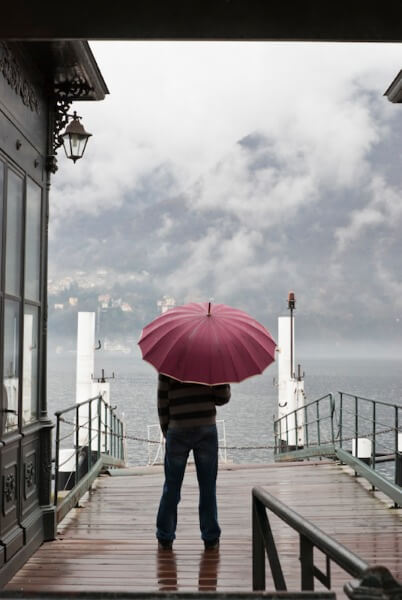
{"x":69,"y":61}
{"x":394,"y":92}
{"x":304,"y":20}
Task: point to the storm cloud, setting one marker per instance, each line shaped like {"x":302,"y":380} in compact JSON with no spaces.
{"x":237,"y":172}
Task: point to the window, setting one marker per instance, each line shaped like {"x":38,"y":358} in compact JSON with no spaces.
{"x":14,"y":234}
{"x":32,"y":241}
{"x":11,"y":357}
{"x":19,"y":356}
{"x":30,"y":366}
{"x":1,"y":213}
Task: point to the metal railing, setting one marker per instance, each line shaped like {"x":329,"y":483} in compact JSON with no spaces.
{"x":315,"y":418}
{"x":89,"y":436}
{"x":348,"y":427}
{"x":310,"y":537}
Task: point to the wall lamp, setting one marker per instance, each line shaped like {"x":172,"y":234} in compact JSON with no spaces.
{"x":74,"y":138}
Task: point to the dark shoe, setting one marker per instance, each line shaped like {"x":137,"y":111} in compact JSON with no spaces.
{"x":211,"y":544}
{"x":165,"y":544}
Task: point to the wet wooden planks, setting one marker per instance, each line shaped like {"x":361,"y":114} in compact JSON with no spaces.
{"x":109,"y":544}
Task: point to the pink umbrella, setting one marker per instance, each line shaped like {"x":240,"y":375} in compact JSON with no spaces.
{"x":209,"y":344}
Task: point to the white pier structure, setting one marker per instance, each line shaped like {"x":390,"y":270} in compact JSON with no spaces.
{"x":290,"y":386}
{"x":86,"y":388}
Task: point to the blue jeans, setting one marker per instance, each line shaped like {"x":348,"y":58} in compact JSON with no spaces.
{"x":203,"y":441}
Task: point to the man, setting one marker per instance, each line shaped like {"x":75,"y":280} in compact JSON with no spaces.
{"x":187,"y":416}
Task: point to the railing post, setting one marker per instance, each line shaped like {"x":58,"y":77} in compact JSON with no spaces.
{"x":318,"y":424}
{"x":112,"y":438}
{"x":306,"y":426}
{"x":258,"y":551}
{"x":99,"y":425}
{"x":77,"y":442}
{"x":373,"y":446}
{"x":307,"y":563}
{"x":56,"y":464}
{"x":398,"y":450}
{"x":332,"y":412}
{"x":122,"y":441}
{"x":106,"y":428}
{"x":357,"y":428}
{"x":356,"y":421}
{"x":110,"y":431}
{"x":296,"y":431}
{"x":89,"y":436}
{"x":115,"y":435}
{"x":340,"y":419}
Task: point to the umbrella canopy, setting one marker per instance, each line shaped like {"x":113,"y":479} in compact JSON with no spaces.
{"x":209,"y":344}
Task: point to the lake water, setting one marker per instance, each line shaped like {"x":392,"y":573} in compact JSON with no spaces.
{"x":250,"y":413}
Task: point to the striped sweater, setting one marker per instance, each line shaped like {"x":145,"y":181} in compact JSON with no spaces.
{"x":183,"y":405}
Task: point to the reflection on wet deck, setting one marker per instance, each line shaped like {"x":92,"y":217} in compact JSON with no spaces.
{"x":110,"y":544}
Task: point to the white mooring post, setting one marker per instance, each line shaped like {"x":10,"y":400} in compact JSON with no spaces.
{"x":85,"y":371}
{"x":290,"y":385}
{"x":363,"y":450}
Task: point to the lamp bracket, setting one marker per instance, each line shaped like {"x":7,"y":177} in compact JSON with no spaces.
{"x":64,"y":94}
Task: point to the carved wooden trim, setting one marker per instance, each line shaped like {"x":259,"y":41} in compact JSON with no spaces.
{"x":9,"y":488}
{"x":30,"y":474}
{"x":13,"y":74}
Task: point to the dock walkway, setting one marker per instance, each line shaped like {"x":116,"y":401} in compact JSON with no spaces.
{"x":109,"y":543}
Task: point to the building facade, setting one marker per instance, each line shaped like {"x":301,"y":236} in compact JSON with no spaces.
{"x":38,"y":83}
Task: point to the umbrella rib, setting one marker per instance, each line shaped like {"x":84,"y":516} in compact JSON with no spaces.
{"x":243,"y":329}
{"x":168,"y":333}
{"x":188,"y":346}
{"x":230,"y":352}
{"x":252,"y":323}
{"x":249,"y":353}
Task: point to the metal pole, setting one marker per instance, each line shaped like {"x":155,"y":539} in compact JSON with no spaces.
{"x":307,"y":563}
{"x":306,"y":425}
{"x":89,"y":436}
{"x":357,"y":425}
{"x":122,"y":441}
{"x":77,"y":442}
{"x":105,"y":428}
{"x":332,"y":409}
{"x":291,"y":343}
{"x":258,"y":556}
{"x":110,"y":432}
{"x":340,"y":418}
{"x":99,"y":425}
{"x":56,"y":468}
{"x":398,"y":453}
{"x":373,"y":450}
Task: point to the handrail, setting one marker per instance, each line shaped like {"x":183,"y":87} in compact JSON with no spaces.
{"x":310,"y":537}
{"x":97,"y":439}
{"x":343,"y":424}
{"x":369,"y":399}
{"x":74,"y":406}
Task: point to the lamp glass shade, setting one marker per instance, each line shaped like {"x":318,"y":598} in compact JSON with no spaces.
{"x":75,"y":139}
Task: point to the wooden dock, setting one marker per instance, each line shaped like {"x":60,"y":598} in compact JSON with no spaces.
{"x":109,"y":544}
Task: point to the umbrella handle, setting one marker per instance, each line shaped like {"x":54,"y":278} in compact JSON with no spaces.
{"x":209,"y":309}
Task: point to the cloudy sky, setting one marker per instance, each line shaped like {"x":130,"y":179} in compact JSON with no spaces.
{"x":239,"y":171}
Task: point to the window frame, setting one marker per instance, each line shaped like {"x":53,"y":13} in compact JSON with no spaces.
{"x":20,"y":299}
